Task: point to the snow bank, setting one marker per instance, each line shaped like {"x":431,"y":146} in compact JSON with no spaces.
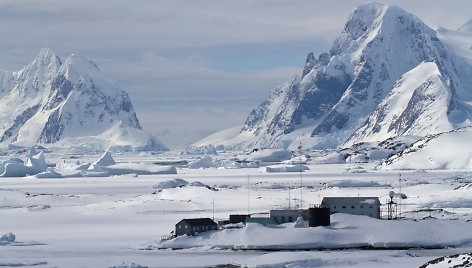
{"x":351,"y":184}
{"x":49,"y":174}
{"x":139,"y":169}
{"x":357,"y":158}
{"x":205,"y":162}
{"x":449,"y":150}
{"x":458,"y":260}
{"x":174,"y":183}
{"x":331,"y":157}
{"x":103,"y":168}
{"x":346,"y":231}
{"x":284,"y":168}
{"x":209,"y":162}
{"x":76,"y":165}
{"x":170,"y":184}
{"x":202,"y":150}
{"x":128,"y":265}
{"x":300,"y":223}
{"x":281,"y":260}
{"x":301,"y":159}
{"x":106,"y":165}
{"x":235,"y":165}
{"x":7,"y":238}
{"x":268,"y":155}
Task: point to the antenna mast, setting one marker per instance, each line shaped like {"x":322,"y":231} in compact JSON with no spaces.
{"x":400,"y":203}
{"x":301,"y":188}
{"x":289,"y":197}
{"x":248,"y":210}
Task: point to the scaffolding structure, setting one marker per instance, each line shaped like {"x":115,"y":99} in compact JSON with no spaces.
{"x":392,"y":212}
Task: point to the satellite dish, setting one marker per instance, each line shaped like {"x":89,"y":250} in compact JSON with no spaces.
{"x":391,"y":194}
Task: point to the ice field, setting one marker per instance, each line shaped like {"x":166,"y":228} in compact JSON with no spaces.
{"x":120,"y":219}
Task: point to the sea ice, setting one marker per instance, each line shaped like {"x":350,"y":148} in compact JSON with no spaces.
{"x":34,"y":164}
{"x":7,"y":238}
{"x":170,"y":184}
{"x":268,"y":155}
{"x":284,"y":168}
{"x":105,"y":160}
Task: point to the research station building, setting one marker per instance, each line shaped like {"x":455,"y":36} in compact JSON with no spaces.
{"x":367,"y":206}
{"x":195,"y":226}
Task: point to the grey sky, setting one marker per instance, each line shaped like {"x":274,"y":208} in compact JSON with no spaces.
{"x":192,"y":67}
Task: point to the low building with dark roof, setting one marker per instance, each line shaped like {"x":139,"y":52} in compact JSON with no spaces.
{"x":195,"y":226}
{"x":237,"y":218}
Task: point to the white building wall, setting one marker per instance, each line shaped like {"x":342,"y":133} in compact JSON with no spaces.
{"x":355,"y":206}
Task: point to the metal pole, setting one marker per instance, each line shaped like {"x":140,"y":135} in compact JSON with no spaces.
{"x":213,"y":209}
{"x":301,"y":188}
{"x":248,"y":210}
{"x":289,"y":197}
{"x":400,"y":181}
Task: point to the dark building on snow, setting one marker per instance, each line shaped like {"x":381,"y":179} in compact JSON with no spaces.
{"x":194,"y":226}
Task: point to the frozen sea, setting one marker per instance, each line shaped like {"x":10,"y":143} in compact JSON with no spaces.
{"x":119,"y":220}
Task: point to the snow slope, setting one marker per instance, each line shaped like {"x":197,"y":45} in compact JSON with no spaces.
{"x":417,"y":104}
{"x":449,"y":150}
{"x":50,"y":100}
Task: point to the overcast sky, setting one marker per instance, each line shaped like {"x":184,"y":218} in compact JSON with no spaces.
{"x":191,"y":67}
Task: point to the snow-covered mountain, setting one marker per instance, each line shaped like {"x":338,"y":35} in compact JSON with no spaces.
{"x":68,"y":103}
{"x":447,"y":150}
{"x":387,"y":74}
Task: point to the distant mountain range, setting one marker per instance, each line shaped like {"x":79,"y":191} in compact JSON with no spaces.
{"x":68,"y":103}
{"x":387,"y":74}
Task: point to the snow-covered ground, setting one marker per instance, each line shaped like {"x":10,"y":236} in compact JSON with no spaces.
{"x":119,"y":220}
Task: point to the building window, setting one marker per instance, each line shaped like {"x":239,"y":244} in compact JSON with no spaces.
{"x":334,"y":207}
{"x":362,"y":206}
{"x":352,"y":206}
{"x":370,"y":206}
{"x":290,"y":219}
{"x":283,"y":218}
{"x":186,"y":226}
{"x":344,"y":206}
{"x":180,"y":226}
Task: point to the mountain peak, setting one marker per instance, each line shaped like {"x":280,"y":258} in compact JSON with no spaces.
{"x":71,"y":102}
{"x":342,"y":88}
{"x":309,"y":63}
{"x":47,"y":57}
{"x":361,"y":19}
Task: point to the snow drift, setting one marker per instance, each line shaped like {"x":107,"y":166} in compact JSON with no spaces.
{"x":346,"y":231}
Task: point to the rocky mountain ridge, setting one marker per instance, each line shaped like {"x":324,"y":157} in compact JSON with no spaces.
{"x":347,"y":95}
